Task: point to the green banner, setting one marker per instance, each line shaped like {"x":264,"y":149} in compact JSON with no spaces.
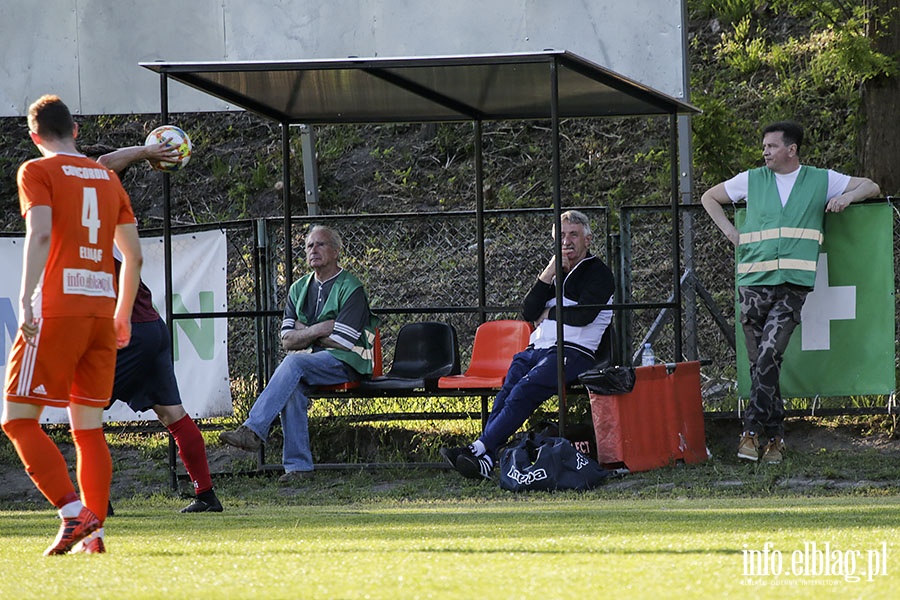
{"x":845,"y":343}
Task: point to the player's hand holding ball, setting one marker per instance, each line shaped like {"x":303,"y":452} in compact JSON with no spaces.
{"x":176,"y":141}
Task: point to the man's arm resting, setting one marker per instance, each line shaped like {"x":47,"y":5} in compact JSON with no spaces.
{"x":712,"y":201}
{"x":534,"y":305}
{"x":303,"y":336}
{"x":859,"y":188}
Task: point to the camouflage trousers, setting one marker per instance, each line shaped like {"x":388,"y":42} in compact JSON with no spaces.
{"x":769,"y":315}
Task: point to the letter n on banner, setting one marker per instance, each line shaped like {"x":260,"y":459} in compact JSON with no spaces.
{"x":845,"y":343}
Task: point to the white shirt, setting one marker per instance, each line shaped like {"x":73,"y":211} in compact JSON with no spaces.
{"x":737,"y":186}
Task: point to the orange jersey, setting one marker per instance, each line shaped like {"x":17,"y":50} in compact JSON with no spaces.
{"x":88,"y":203}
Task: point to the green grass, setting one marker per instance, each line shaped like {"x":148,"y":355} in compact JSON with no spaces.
{"x":530,"y":546}
{"x":426,"y":533}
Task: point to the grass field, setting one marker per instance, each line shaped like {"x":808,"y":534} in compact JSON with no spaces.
{"x":533,"y":546}
{"x":825,"y":522}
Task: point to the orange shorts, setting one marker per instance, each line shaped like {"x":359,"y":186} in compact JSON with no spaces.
{"x":73,"y":360}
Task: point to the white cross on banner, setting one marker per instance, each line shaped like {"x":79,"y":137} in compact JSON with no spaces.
{"x":844,"y":345}
{"x":825,"y":304}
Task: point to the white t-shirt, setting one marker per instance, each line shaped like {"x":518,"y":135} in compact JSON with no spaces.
{"x":737,"y":186}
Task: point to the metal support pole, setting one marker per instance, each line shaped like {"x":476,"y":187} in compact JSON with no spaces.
{"x":676,"y":253}
{"x":262,"y":298}
{"x":479,"y":221}
{"x":286,"y":198}
{"x":687,"y":228}
{"x":167,"y":262}
{"x":557,"y":215}
{"x":686,"y":185}
{"x":310,"y":169}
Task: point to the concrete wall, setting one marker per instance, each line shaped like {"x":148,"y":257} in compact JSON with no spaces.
{"x":87,"y":51}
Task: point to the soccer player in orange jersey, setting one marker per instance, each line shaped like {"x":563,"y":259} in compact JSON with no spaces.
{"x":71,"y":320}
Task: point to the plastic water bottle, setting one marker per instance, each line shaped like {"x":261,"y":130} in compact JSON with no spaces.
{"x":647,"y":357}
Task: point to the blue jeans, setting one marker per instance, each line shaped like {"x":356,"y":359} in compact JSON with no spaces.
{"x":530,"y":381}
{"x":285,"y":395}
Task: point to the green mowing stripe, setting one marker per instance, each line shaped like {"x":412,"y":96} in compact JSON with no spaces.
{"x":518,"y":547}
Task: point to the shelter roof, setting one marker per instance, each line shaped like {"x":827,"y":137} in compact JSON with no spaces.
{"x":423,"y":89}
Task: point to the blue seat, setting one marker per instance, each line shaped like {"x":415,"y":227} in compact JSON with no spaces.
{"x":424,"y":353}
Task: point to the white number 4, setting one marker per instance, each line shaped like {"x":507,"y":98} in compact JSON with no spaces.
{"x":89,"y":214}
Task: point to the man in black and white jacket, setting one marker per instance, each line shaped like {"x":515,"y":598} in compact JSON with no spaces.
{"x":532,"y":376}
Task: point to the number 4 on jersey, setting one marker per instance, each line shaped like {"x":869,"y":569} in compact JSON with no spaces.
{"x":90,"y":214}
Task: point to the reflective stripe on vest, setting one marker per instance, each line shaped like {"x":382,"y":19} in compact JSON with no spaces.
{"x":782,"y":232}
{"x":774,"y":265}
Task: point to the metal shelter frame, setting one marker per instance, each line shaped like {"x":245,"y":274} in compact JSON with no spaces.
{"x":553,"y":84}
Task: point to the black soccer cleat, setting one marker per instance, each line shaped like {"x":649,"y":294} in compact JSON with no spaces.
{"x":210,"y":504}
{"x":451,"y":454}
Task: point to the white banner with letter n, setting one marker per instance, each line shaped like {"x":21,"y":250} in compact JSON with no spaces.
{"x":199,"y":274}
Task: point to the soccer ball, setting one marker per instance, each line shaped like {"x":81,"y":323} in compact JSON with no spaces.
{"x":173,"y":136}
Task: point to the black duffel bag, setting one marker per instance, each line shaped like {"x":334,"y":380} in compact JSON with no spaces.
{"x":548,"y":463}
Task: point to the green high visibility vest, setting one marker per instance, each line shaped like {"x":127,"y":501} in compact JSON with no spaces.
{"x":780,"y":244}
{"x":362,"y":356}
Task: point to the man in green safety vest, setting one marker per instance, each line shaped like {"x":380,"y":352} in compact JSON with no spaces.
{"x":777,"y":251}
{"x":328,"y":331}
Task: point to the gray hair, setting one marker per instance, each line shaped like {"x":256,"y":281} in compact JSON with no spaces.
{"x":335,"y":237}
{"x":576,"y":218}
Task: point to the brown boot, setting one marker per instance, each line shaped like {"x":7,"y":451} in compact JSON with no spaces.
{"x":773,"y":452}
{"x":748,"y":448}
{"x":242,"y":438}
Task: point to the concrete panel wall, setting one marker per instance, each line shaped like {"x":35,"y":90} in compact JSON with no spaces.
{"x":88,"y":51}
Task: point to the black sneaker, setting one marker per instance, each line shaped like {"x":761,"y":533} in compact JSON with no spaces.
{"x":474,"y":467}
{"x":210,"y":504}
{"x":451,"y":454}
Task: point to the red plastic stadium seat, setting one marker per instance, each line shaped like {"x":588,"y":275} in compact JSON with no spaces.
{"x":376,"y":370}
{"x":492,"y":352}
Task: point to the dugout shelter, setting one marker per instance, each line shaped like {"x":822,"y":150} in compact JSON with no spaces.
{"x":549,"y":85}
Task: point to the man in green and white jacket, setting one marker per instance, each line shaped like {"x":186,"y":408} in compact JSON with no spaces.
{"x":329,"y":331}
{"x":778,"y":248}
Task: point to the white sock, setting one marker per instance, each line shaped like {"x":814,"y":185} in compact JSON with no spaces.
{"x":478,"y":448}
{"x":71,"y":510}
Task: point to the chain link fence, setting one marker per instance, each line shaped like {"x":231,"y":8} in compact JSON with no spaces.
{"x":707,"y":303}
{"x":420,"y":267}
{"x":424,"y":266}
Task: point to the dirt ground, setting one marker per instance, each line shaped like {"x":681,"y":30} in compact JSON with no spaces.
{"x":135,"y":474}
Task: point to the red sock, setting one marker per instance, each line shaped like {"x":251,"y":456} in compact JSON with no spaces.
{"x":192,"y":451}
{"x":43,"y":461}
{"x":94,"y":469}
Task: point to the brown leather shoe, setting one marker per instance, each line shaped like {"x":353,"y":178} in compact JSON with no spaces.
{"x":748,"y":448}
{"x":242,"y":438}
{"x":773,"y":452}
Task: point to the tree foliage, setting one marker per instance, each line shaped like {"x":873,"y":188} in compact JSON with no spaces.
{"x":756,"y":61}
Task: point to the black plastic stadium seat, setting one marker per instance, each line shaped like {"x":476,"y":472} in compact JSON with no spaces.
{"x":606,"y":351}
{"x":424,"y":352}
